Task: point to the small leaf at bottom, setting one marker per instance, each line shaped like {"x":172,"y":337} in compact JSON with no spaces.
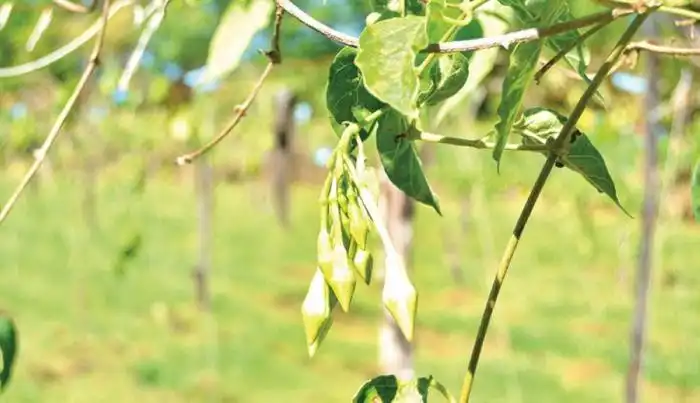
{"x":8,"y":347}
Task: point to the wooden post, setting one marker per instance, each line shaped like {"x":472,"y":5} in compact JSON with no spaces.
{"x":203,"y":183}
{"x":395,"y":352}
{"x":649,"y":215}
{"x":282,"y":154}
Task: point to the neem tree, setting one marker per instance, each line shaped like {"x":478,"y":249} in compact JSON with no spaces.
{"x":386,"y":86}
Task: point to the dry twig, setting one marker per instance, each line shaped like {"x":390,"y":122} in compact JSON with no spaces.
{"x":62,"y":117}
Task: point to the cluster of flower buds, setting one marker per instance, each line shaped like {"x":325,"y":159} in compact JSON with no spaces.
{"x":343,"y":250}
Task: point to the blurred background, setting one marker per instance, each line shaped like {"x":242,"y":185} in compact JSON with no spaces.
{"x":133,"y":279}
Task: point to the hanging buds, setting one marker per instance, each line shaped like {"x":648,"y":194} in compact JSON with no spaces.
{"x":341,"y":279}
{"x":343,"y":250}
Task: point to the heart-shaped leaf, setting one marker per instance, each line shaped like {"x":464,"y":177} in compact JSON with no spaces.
{"x":539,"y":124}
{"x":387,"y":58}
{"x":347,"y":99}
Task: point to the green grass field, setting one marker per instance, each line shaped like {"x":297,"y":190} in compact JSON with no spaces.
{"x":560,"y":331}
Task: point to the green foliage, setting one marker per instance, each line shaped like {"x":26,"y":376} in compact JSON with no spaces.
{"x":387,"y":58}
{"x":522,"y":65}
{"x":237,"y":27}
{"x":521,"y":69}
{"x":8,"y":349}
{"x":389,"y":389}
{"x":396,"y":7}
{"x":579,"y":56}
{"x":441,"y":17}
{"x":347,"y":99}
{"x":400,"y":159}
{"x":539,"y":125}
{"x":447,"y":77}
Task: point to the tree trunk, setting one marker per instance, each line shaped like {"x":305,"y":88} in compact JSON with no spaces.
{"x":649,"y":213}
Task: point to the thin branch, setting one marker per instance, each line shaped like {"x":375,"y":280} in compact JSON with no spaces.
{"x":642,"y":6}
{"x":275,"y":57}
{"x":558,"y":149}
{"x":40,"y":156}
{"x":479,"y":144}
{"x":661,"y":49}
{"x":506,"y":40}
{"x":316,"y":25}
{"x":62,"y":52}
{"x":240,"y":112}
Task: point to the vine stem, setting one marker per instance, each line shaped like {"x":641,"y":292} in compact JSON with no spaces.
{"x":472,"y":143}
{"x":274,"y":56}
{"x":58,"y":54}
{"x":559,"y":148}
{"x":62,"y":117}
{"x":661,"y":49}
{"x":505,"y":40}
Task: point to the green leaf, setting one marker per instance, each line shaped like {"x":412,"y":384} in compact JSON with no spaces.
{"x":585,"y":159}
{"x":389,"y":389}
{"x":447,"y":77}
{"x":490,"y":21}
{"x":386,"y":59}
{"x":233,"y":34}
{"x":347,"y":99}
{"x":577,"y":58}
{"x":8,"y":348}
{"x":523,"y":61}
{"x":537,"y":12}
{"x":400,"y":159}
{"x":414,"y":7}
{"x":695,"y":191}
{"x":546,"y":12}
{"x":540,"y":124}
{"x":436,"y":13}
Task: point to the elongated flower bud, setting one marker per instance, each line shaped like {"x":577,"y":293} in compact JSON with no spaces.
{"x":400,"y":297}
{"x":317,"y":307}
{"x":342,"y":280}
